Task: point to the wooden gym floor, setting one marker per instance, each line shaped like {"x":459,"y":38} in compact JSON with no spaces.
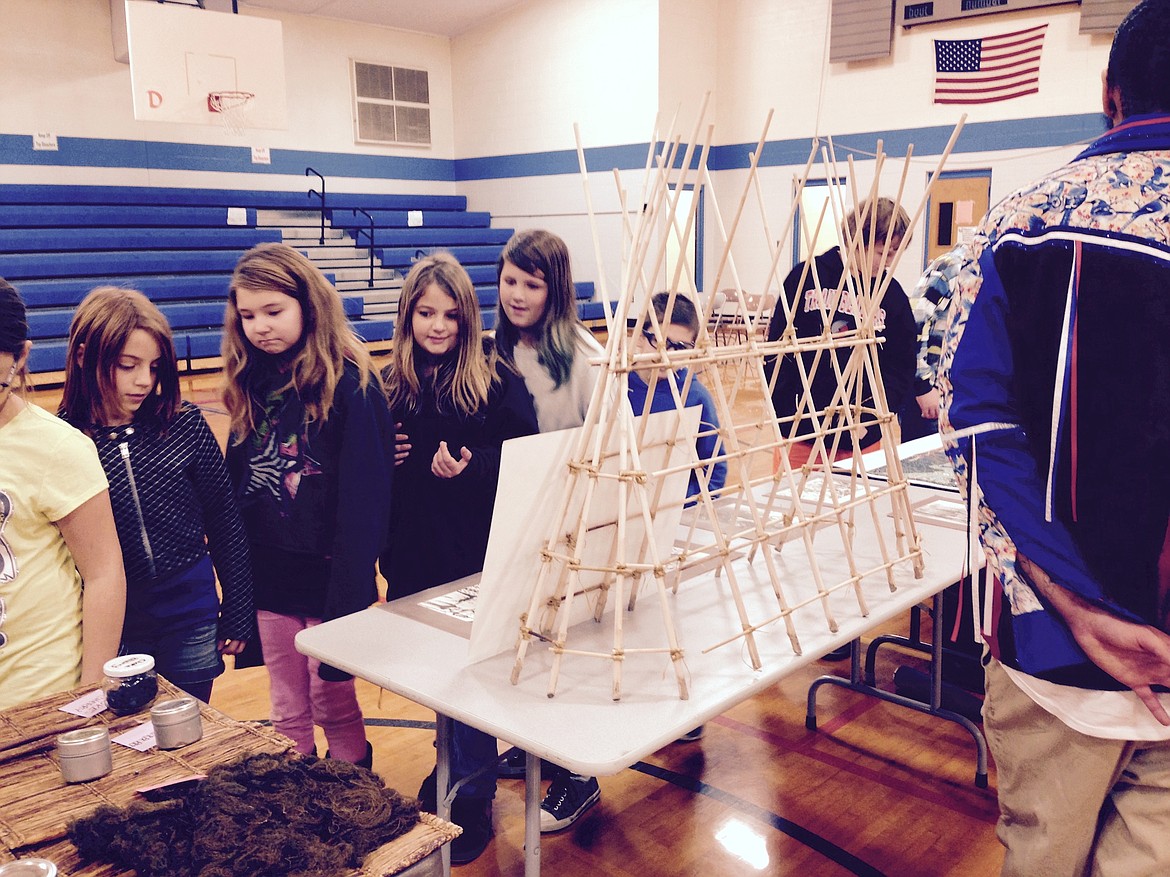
{"x":877,"y":790}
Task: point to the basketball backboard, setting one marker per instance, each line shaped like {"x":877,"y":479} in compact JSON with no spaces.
{"x":180,"y":55}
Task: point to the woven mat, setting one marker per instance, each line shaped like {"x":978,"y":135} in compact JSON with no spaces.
{"x":36,"y":804}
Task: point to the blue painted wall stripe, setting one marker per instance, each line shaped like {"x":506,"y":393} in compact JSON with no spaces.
{"x":975,"y":137}
{"x":16,"y":149}
{"x":628,"y":156}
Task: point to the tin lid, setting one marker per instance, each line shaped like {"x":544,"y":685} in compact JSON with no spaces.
{"x":29,"y":868}
{"x":172,"y":712}
{"x":83,"y":741}
{"x":128,"y":665}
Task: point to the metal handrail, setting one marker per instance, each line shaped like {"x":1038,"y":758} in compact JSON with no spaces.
{"x":369,"y":234}
{"x":320,"y":195}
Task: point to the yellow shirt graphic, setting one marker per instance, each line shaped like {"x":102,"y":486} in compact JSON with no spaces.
{"x":47,"y":470}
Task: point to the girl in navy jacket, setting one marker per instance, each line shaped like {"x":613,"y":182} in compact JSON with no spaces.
{"x":177,"y":519}
{"x":311,"y":456}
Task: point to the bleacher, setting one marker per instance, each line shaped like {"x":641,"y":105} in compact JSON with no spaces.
{"x":179,"y":246}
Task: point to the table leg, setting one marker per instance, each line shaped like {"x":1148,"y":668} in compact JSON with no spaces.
{"x":531,"y":815}
{"x":443,"y":780}
{"x":934,"y":708}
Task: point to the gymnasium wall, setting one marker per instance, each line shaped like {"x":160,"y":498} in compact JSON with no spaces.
{"x":506,"y":94}
{"x":521,"y":84}
{"x":772,"y":56}
{"x":60,"y":77}
{"x":754,"y":57}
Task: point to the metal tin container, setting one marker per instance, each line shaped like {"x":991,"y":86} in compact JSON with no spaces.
{"x":29,"y":868}
{"x":130,"y":683}
{"x":84,"y":754}
{"x":176,"y":722}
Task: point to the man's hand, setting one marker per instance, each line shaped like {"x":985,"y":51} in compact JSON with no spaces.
{"x":928,"y":404}
{"x":1136,"y":655}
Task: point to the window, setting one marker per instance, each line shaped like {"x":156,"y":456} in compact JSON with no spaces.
{"x":820,"y":202}
{"x":391,"y":104}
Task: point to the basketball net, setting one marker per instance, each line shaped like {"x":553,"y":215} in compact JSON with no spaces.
{"x":232,"y":107}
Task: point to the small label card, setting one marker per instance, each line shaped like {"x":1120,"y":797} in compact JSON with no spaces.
{"x":414,"y":218}
{"x":88,"y":705}
{"x":261,"y":155}
{"x":237,"y":216}
{"x":140,"y":737}
{"x":45,"y":142}
{"x":147,"y":791}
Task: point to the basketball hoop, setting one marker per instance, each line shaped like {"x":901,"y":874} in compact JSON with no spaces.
{"x":232,"y":107}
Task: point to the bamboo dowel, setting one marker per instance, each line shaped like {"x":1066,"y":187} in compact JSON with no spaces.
{"x":857,"y":404}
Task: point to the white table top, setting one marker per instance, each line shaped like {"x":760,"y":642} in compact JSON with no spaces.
{"x":400,"y":648}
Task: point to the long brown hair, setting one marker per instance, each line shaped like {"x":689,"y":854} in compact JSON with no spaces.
{"x":326,"y":339}
{"x":102,"y":324}
{"x":462,"y":381}
{"x":541,"y":252}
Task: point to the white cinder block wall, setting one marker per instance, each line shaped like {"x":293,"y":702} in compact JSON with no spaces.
{"x":59,"y":76}
{"x":505,"y":97}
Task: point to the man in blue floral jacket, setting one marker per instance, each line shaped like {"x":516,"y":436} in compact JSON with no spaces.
{"x":1055,"y":384}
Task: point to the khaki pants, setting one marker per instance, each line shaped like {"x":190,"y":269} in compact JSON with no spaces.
{"x":1072,"y":805}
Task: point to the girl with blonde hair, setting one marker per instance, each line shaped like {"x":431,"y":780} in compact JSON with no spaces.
{"x":456,"y":403}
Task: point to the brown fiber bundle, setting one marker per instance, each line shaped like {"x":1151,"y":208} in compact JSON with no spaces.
{"x":263,"y":816}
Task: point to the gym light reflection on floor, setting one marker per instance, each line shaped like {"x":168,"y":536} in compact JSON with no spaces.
{"x":744,"y":842}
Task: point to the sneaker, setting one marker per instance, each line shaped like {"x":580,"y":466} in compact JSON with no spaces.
{"x":838,"y":654}
{"x":568,"y":798}
{"x":366,"y":761}
{"x":474,"y":816}
{"x":513,"y":764}
{"x":691,"y":736}
{"x":428,"y":794}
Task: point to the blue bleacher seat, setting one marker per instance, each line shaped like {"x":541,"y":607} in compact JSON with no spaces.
{"x":116,"y":216}
{"x":205,"y":343}
{"x":15,"y":267}
{"x":47,"y":356}
{"x":208,"y":313}
{"x":58,"y":242}
{"x":402,"y":219}
{"x":403,"y":257}
{"x":594,"y":310}
{"x":443,"y":237}
{"x":54,"y":240}
{"x":188,"y":197}
{"x":156,"y":287}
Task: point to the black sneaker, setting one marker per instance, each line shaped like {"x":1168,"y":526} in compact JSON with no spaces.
{"x":568,"y":798}
{"x":366,"y":761}
{"x":428,"y":794}
{"x":513,"y":764}
{"x":691,"y":736}
{"x":474,"y":816}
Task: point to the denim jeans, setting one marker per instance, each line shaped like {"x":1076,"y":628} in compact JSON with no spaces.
{"x":471,"y":750}
{"x":188,"y":658}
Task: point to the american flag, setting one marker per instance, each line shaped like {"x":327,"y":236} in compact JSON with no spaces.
{"x":989,"y":69}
